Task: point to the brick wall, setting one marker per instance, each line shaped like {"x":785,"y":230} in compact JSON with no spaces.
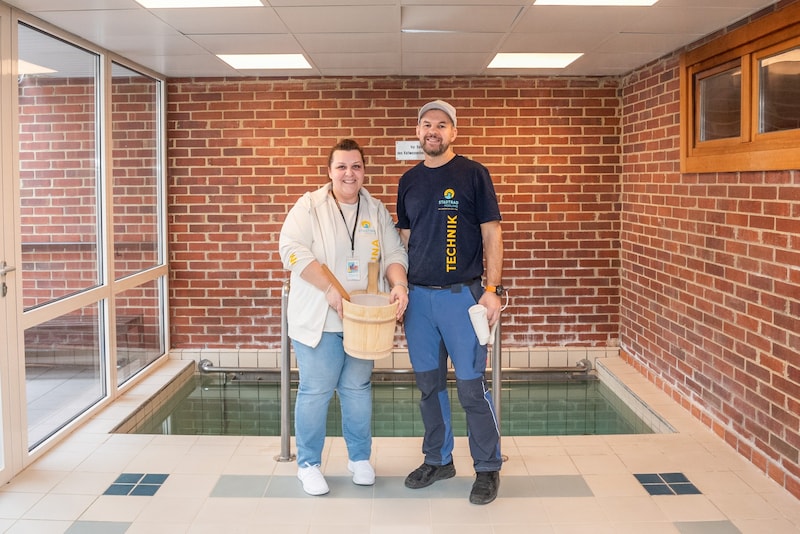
{"x":241,"y":152}
{"x":710,"y":285}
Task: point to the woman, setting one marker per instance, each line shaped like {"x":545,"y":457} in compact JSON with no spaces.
{"x":343,"y":227}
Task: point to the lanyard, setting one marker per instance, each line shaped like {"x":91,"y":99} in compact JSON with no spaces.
{"x":355,"y":222}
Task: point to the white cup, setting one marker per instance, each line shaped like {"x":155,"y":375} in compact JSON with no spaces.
{"x":477,"y":314}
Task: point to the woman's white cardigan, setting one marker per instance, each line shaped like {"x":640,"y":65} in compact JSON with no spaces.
{"x":306,"y":236}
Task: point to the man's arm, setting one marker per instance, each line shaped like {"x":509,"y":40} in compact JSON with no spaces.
{"x":492,"y":235}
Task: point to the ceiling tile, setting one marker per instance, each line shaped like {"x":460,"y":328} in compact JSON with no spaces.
{"x":231,"y":21}
{"x":436,"y":43}
{"x":486,"y":18}
{"x":341,"y":19}
{"x":248,"y":44}
{"x":349,"y":43}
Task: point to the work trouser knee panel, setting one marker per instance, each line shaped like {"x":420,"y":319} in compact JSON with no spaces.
{"x":472,"y":393}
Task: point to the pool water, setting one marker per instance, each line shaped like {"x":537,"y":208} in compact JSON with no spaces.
{"x":208,"y":406}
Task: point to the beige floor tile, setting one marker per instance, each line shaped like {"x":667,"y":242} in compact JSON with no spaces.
{"x":564,"y":510}
{"x":401,"y":529}
{"x":631,"y":510}
{"x":31,"y":526}
{"x":523,"y":529}
{"x":188,"y":485}
{"x":744,"y":506}
{"x":341,"y":512}
{"x":599,"y":464}
{"x":459,"y":511}
{"x":411,"y":512}
{"x":641,"y":528}
{"x":115,"y":508}
{"x":162,"y":527}
{"x":246,"y":464}
{"x":283,"y":511}
{"x":221,"y":512}
{"x":689,"y":508}
{"x":764,"y":526}
{"x":170,"y":509}
{"x":615,"y":485}
{"x":82,"y":483}
{"x":14,"y":504}
{"x":518,"y":511}
{"x":55,"y":506}
{"x":37,"y":481}
{"x":550,"y":465}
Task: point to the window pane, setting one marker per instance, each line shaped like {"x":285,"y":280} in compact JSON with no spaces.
{"x":58,"y":168}
{"x":140,"y":332}
{"x":779,"y":92}
{"x":63,"y":370}
{"x":720,"y":100}
{"x":134,"y":130}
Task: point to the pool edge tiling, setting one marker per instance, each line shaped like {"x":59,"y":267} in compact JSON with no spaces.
{"x":549,"y":484}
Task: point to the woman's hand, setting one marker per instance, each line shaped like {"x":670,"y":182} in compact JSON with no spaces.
{"x":334,"y":299}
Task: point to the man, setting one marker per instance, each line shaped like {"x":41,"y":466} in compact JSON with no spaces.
{"x":449,"y":219}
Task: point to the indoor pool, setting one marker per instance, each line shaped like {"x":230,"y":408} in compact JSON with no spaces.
{"x":206,"y":405}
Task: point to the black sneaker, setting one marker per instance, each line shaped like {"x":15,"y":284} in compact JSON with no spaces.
{"x":484,"y":490}
{"x":426,"y":474}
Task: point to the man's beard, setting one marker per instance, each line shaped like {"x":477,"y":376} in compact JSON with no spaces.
{"x":434,"y":152}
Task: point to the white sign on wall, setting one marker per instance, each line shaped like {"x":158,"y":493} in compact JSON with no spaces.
{"x":408,"y":150}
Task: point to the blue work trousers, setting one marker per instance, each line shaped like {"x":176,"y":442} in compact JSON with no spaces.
{"x":437,"y":325}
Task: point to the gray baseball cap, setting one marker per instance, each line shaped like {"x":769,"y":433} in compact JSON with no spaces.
{"x":440,"y":105}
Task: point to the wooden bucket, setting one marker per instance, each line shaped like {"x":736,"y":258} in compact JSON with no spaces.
{"x":369,"y":325}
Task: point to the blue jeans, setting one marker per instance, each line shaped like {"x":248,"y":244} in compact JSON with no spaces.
{"x":324,"y":369}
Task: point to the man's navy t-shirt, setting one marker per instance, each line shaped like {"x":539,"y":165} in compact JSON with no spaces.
{"x":444,"y":208}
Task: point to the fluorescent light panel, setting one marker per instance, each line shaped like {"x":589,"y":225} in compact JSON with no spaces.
{"x":594,"y":2}
{"x":532,"y":61}
{"x":176,"y":4}
{"x":265,"y":61}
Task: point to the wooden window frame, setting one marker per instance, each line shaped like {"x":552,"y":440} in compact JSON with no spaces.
{"x":751,"y":150}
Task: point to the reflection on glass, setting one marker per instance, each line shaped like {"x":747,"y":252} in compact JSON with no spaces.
{"x":140,"y":332}
{"x":58,"y":168}
{"x":779,"y":92}
{"x":720,"y":100}
{"x":134,"y":130}
{"x":63,"y":371}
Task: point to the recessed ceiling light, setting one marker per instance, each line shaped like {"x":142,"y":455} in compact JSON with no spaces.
{"x":168,"y":4}
{"x":265,"y":61}
{"x":594,"y":2}
{"x":532,"y":61}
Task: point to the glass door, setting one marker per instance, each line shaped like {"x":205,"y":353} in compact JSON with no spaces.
{"x":10,"y":373}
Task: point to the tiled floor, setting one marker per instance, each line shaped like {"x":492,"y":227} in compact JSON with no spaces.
{"x":687,"y":482}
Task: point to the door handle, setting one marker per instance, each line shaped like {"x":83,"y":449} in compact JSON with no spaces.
{"x":5,"y":269}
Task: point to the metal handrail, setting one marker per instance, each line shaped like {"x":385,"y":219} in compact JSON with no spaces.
{"x":286,"y":430}
{"x":206,"y":366}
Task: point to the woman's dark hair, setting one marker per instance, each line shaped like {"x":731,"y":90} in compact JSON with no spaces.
{"x":345,"y":145}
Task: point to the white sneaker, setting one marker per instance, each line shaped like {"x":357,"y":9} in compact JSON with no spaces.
{"x":312,"y":479}
{"x":363,"y":473}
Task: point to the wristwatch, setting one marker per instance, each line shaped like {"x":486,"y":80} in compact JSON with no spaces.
{"x":498,"y":290}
